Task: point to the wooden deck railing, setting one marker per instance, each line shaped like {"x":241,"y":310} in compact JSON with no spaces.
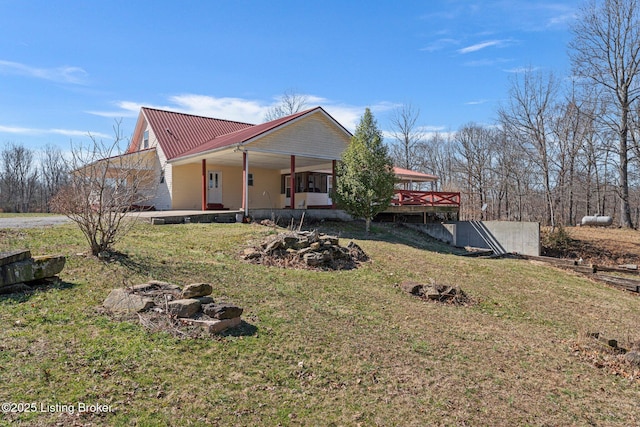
{"x":425,"y":198}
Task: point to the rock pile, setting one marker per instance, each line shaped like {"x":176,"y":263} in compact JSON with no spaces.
{"x":306,"y":249}
{"x":19,"y":271}
{"x":435,"y":292}
{"x":192,"y":305}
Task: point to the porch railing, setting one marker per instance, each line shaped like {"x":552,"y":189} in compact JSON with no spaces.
{"x":425,"y":198}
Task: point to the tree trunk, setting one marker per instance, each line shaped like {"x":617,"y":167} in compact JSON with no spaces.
{"x":625,"y":209}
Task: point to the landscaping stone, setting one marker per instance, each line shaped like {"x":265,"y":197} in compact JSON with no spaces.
{"x":14,"y":256}
{"x":184,"y":307}
{"x":305,"y":249}
{"x":155,"y":285}
{"x":196,"y":290}
{"x":251,"y":253}
{"x":205,"y":300}
{"x":218,"y":325}
{"x":18,"y":267}
{"x":413,"y":288}
{"x":166,"y":309}
{"x":436,"y":292}
{"x":222,"y":310}
{"x":123,"y":301}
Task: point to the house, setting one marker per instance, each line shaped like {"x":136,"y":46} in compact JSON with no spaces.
{"x":206,"y":163}
{"x":203,"y":163}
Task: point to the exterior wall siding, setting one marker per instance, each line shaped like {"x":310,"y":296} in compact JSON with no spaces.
{"x":314,"y":136}
{"x":162,"y":201}
{"x":187,"y":186}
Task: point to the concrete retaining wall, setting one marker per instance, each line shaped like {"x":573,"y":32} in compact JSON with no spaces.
{"x":499,"y":236}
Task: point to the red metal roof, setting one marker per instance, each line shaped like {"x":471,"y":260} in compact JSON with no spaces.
{"x":183,"y":135}
{"x":409,"y":175}
{"x":246,"y":134}
{"x":179,"y":133}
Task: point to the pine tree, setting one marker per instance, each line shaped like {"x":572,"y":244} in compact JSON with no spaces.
{"x":365,"y":177}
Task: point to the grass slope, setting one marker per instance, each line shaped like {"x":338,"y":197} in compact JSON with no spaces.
{"x":318,"y":348}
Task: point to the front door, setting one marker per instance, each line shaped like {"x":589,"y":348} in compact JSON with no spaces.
{"x":215,"y":187}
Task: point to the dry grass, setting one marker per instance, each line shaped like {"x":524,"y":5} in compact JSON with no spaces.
{"x":318,"y":348}
{"x":604,"y":246}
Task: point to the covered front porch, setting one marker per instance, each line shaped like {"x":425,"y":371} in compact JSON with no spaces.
{"x":244,"y":179}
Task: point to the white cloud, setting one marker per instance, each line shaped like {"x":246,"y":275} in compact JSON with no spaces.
{"x":561,"y":20}
{"x":238,"y":109}
{"x":244,"y":110}
{"x":126,"y":109}
{"x":486,"y":62}
{"x":65,"y":74}
{"x":477,"y":102}
{"x":519,"y":70}
{"x":439,"y":45}
{"x":479,"y":46}
{"x":64,"y":132}
{"x":15,"y":130}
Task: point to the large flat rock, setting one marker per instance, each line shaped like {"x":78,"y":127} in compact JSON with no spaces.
{"x":28,"y":270}
{"x":14,"y":256}
{"x":122,"y":301}
{"x":216,"y":326}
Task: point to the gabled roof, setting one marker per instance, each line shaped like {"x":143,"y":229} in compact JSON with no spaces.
{"x":246,"y":135}
{"x":184,"y":135}
{"x":178,"y":133}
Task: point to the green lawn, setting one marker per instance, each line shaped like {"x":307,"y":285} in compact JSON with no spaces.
{"x":318,"y":348}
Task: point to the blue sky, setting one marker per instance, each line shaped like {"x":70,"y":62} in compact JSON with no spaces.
{"x":69,"y":68}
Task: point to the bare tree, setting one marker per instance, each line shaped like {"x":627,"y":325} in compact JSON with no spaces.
{"x":290,"y":103}
{"x":18,"y":178}
{"x":513,"y":176}
{"x":53,"y":174}
{"x":103,"y":187}
{"x":570,"y":127}
{"x":528,"y":119}
{"x":436,"y":156}
{"x":408,"y":136}
{"x":474,"y":148}
{"x":605,"y":51}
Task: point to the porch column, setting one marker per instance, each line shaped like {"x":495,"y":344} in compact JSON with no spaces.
{"x":293,"y":182}
{"x":204,"y":184}
{"x":333,"y":179}
{"x":245,"y":183}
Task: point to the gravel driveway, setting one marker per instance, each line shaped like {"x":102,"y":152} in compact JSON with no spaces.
{"x":32,"y":221}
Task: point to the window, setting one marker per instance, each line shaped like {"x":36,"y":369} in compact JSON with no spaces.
{"x":145,"y":139}
{"x":250,"y":180}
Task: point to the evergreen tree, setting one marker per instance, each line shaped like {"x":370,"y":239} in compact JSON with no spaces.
{"x":365,"y":177}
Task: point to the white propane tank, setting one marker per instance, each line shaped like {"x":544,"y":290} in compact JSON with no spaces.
{"x":596,"y":221}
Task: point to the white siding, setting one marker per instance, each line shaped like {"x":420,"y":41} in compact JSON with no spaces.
{"x":162,"y":200}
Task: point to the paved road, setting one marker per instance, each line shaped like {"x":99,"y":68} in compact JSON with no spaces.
{"x":32,"y":221}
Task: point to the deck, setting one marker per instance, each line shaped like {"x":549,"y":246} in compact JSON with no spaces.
{"x":419,"y":206}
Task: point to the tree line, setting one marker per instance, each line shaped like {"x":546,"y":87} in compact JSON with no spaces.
{"x":29,"y":179}
{"x":561,"y":148}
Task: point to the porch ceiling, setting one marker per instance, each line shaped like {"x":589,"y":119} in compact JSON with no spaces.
{"x":257,"y":159}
